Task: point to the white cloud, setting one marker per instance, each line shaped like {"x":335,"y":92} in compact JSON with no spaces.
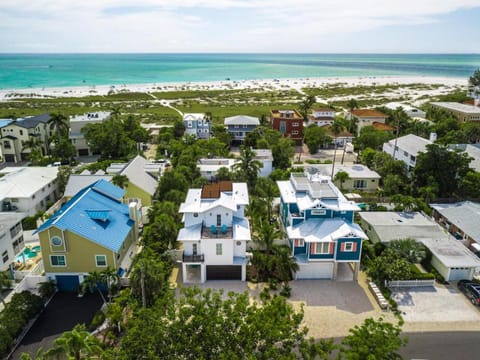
{"x":183,"y":25}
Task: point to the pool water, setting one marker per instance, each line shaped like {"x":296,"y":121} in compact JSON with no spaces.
{"x":29,"y":254}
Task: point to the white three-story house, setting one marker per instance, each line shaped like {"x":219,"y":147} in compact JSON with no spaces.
{"x":216,"y":232}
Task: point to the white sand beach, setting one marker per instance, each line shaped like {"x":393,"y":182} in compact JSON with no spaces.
{"x":262,"y":84}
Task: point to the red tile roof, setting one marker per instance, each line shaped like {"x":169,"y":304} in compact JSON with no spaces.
{"x":382,"y":127}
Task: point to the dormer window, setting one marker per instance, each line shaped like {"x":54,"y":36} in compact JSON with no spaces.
{"x":195,"y":214}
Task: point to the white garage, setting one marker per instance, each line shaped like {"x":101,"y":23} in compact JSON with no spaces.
{"x":315,"y":270}
{"x":452,"y":259}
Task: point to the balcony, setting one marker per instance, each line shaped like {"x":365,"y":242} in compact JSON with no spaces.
{"x":193,"y":258}
{"x":214,"y":232}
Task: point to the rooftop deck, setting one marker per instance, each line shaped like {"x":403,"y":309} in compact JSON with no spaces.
{"x":207,"y":232}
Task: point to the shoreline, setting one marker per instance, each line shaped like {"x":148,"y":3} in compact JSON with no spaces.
{"x":267,"y":84}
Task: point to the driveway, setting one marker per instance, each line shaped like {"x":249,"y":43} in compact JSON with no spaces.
{"x":439,"y":304}
{"x":63,"y":312}
{"x":330,"y":308}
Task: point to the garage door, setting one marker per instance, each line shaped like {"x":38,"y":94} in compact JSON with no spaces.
{"x":315,"y":271}
{"x":9,"y":158}
{"x":224,"y":272}
{"x":459,"y":274}
{"x":82,"y":152}
{"x":67,"y":283}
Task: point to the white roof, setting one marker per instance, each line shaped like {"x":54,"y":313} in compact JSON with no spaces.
{"x":464,"y":215}
{"x":396,"y":225}
{"x":195,"y":204}
{"x":193,"y":232}
{"x":464,"y":108}
{"x":309,"y":191}
{"x":263,"y":154}
{"x":78,"y":182}
{"x":193,"y":116}
{"x":241,"y":120}
{"x":98,"y":116}
{"x":324,"y":230}
{"x":21,"y":182}
{"x":214,"y":165}
{"x":451,"y":252}
{"x":355,"y":171}
{"x":413,"y":144}
{"x":473,"y":150}
{"x":8,"y":219}
{"x":241,"y":229}
{"x":138,"y":172}
{"x":395,"y":105}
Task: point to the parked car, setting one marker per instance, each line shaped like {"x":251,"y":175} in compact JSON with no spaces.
{"x":471,"y":290}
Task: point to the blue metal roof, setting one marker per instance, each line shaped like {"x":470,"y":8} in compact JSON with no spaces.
{"x":5,"y":122}
{"x":108,"y":189}
{"x":95,"y":215}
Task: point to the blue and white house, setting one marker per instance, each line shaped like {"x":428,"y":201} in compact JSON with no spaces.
{"x":197,"y":125}
{"x":318,"y":221}
{"x":216,"y":233}
{"x":239,"y":126}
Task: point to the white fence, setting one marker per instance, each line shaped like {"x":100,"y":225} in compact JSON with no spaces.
{"x":410,"y":283}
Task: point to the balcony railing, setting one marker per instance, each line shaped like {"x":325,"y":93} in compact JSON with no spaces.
{"x":193,"y":258}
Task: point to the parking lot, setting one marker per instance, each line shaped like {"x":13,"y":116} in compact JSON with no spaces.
{"x":439,"y":304}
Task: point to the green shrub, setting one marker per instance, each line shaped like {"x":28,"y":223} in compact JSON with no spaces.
{"x":29,"y":223}
{"x":46,"y":289}
{"x":97,"y":320}
{"x":286,"y":291}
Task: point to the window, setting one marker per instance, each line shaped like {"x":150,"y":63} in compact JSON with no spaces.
{"x":348,"y":247}
{"x":189,"y":124}
{"x":5,"y":256}
{"x":412,"y":158}
{"x":196,"y":214}
{"x":101,"y":260}
{"x":299,"y":243}
{"x":405,"y":153}
{"x":219,"y":249}
{"x":294,"y":132}
{"x":6,"y":144}
{"x":236,"y":126}
{"x":319,"y":212}
{"x":58,"y":260}
{"x":295,"y":124}
{"x":322,"y":248}
{"x":14,"y":230}
{"x":359,"y":184}
{"x":219,"y":219}
{"x":56,"y":241}
{"x":245,"y":126}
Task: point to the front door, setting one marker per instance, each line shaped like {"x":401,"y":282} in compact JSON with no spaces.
{"x":194,"y":249}
{"x":283,"y":127}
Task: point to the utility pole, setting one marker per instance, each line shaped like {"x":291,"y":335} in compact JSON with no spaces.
{"x":396,"y":136}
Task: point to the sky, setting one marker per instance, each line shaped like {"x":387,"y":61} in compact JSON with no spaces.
{"x":253,"y":26}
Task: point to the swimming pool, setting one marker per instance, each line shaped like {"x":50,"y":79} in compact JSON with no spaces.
{"x":29,"y":254}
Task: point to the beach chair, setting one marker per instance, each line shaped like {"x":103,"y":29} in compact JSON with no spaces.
{"x":213,"y":229}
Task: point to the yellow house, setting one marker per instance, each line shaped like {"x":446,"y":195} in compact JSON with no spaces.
{"x":91,"y":232}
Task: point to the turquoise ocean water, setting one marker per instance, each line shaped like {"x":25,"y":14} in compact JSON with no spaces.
{"x":62,"y":70}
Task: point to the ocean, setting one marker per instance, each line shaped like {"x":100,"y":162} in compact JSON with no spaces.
{"x":22,"y":71}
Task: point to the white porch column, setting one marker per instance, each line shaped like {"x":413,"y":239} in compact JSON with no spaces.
{"x":335,"y":270}
{"x":203,"y":273}
{"x":244,"y":272}
{"x":184,"y":273}
{"x":356,"y":269}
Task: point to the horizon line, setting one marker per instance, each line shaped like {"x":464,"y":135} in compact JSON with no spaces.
{"x":239,"y":53}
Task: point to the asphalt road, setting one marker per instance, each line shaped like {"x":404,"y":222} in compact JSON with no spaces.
{"x":442,"y":346}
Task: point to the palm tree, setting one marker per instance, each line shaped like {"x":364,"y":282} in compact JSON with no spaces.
{"x":265,"y":235}
{"x":120,"y":181}
{"x":267,"y":190}
{"x":286,"y":264}
{"x":77,"y":344}
{"x":115,"y":113}
{"x":39,"y":355}
{"x":410,"y":249}
{"x":32,"y":144}
{"x":59,"y":122}
{"x":111,"y":278}
{"x":306,"y":105}
{"x":93,"y":281}
{"x":341,"y":177}
{"x":247,"y":167}
{"x":5,"y":283}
